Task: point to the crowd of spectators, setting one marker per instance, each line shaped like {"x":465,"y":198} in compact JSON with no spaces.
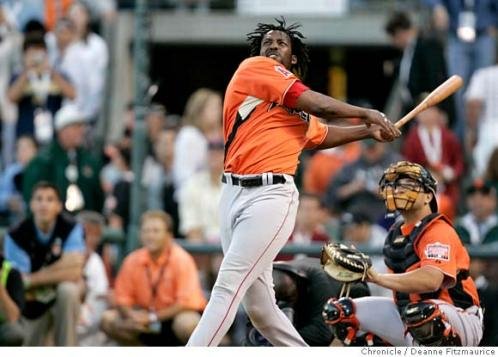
{"x":64,"y":201}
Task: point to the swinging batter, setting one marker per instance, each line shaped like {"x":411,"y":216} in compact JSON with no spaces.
{"x":267,"y":123}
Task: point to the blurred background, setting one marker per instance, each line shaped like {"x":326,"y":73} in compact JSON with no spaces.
{"x":143,"y":84}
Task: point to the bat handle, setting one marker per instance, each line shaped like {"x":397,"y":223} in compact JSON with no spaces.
{"x":402,"y":121}
{"x":408,"y":117}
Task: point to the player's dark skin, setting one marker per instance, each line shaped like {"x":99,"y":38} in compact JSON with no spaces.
{"x":277,"y":45}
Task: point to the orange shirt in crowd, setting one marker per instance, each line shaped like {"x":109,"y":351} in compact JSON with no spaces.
{"x":179,"y":282}
{"x":325,"y":164}
{"x":54,"y":11}
{"x":440,"y":247}
{"x":271,"y":136}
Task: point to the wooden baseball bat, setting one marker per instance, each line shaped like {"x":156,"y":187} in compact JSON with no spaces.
{"x":444,"y":90}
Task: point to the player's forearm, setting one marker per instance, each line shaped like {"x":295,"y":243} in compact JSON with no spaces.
{"x":421,"y":280}
{"x":327,"y":107}
{"x":339,"y":135}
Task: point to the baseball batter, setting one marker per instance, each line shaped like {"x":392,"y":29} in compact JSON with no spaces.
{"x":435,"y":300}
{"x":267,"y":123}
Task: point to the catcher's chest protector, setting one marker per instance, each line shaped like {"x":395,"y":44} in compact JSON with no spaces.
{"x":398,"y":250}
{"x":399,"y":254}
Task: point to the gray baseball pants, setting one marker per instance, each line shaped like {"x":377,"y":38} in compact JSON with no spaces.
{"x":255,"y":224}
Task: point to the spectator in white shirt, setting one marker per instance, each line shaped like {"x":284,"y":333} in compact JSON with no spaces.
{"x":201,"y":121}
{"x":199,"y":210}
{"x":96,"y":285}
{"x":482,"y":116}
{"x":93,"y":51}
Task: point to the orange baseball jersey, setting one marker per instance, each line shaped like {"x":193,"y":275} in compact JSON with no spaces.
{"x":268,"y":136}
{"x":439,"y":246}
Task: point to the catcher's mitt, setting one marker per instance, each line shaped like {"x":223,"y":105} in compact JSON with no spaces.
{"x":345,"y":263}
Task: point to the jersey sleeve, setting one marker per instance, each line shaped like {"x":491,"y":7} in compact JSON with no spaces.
{"x":294,"y":92}
{"x":438,"y":248}
{"x":263,"y":78}
{"x":316,"y":133}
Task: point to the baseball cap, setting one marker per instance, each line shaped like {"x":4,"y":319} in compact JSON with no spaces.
{"x":68,"y":115}
{"x":481,"y":186}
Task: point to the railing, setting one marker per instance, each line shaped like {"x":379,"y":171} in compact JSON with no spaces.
{"x":484,"y":252}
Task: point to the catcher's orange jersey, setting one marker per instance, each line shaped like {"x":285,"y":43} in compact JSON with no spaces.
{"x":269,"y":137}
{"x":439,"y":246}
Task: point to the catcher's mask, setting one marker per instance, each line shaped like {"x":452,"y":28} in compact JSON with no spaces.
{"x":412,"y":179}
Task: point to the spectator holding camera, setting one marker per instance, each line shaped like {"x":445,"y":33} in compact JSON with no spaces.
{"x":38,"y":91}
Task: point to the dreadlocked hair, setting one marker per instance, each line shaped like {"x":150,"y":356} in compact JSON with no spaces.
{"x":299,"y":49}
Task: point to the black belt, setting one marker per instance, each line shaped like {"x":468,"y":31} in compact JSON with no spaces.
{"x":253,"y":181}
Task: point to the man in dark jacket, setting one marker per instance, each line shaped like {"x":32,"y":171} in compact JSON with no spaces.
{"x":422,"y":65}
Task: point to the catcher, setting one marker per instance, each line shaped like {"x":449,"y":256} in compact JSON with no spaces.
{"x":435,"y":300}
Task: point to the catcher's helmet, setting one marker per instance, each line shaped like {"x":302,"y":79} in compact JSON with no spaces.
{"x":406,"y":169}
